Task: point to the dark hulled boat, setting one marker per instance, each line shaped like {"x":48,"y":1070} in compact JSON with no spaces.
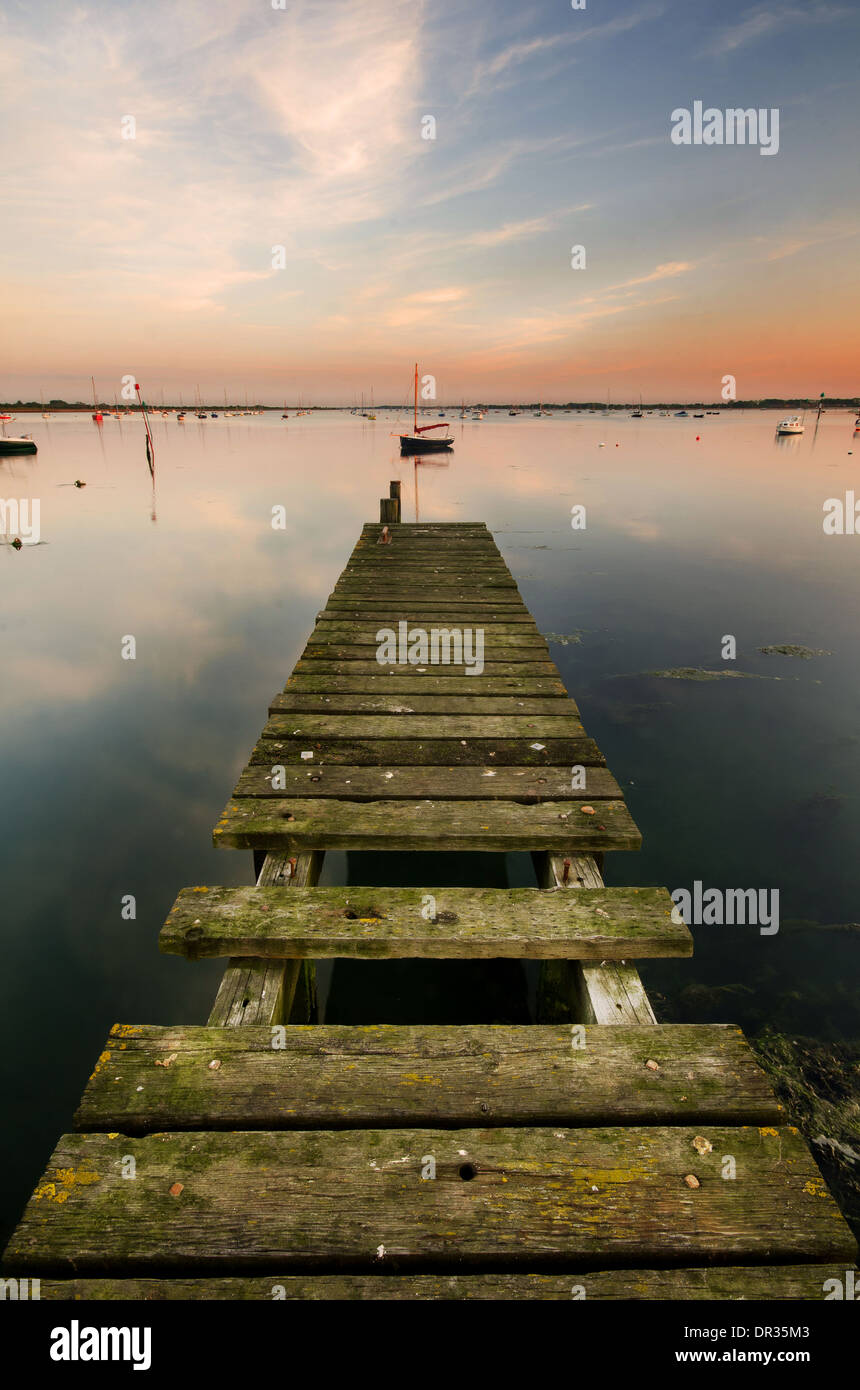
{"x":420,"y":440}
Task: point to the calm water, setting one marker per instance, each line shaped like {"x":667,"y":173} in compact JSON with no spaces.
{"x":114,"y":771}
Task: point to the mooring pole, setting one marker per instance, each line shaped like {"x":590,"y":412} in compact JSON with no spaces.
{"x":389,"y":507}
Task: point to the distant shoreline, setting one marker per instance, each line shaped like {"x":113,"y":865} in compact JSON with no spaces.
{"x":790,"y":403}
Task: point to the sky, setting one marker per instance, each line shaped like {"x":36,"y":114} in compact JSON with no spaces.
{"x":305,"y":128}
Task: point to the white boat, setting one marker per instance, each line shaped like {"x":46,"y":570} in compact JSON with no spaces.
{"x":792,"y":424}
{"x":20,"y":444}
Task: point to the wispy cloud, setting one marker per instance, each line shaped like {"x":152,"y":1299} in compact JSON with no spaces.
{"x":666,"y":271}
{"x":504,"y":64}
{"x":767,"y":20}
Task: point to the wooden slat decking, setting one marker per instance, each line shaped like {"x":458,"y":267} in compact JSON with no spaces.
{"x":768,"y":1282}
{"x":222,"y":1202}
{"x":334,"y":710}
{"x":568,"y":1160}
{"x":330,"y":1076}
{"x":442,"y":923}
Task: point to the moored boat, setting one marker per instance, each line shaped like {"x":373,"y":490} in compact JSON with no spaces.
{"x":792,"y":424}
{"x":21,"y":444}
{"x":419,"y":442}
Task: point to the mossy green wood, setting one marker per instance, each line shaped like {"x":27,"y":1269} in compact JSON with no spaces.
{"x":529,"y":687}
{"x":434,"y":615}
{"x":525,"y":728}
{"x":380,"y":923}
{"x":495,"y":635}
{"x":518,"y":672}
{"x":301,"y":824}
{"x":437,"y":591}
{"x":328,"y":1076}
{"x":448,"y":752}
{"x":809,"y":1282}
{"x":494,"y":654}
{"x":475,"y":552}
{"x":504,"y":1197}
{"x":518,"y":706}
{"x":358,"y":783}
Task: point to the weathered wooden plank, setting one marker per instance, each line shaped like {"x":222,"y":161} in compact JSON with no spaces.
{"x":265,"y":991}
{"x":414,"y":543}
{"x":299,"y":1199}
{"x":388,"y":594}
{"x":459,"y":569}
{"x":399,"y":591}
{"x":430,"y":528}
{"x":495,"y":634}
{"x":482,"y":554}
{"x":609,"y":993}
{"x":404,"y":550}
{"x":332,"y":1077}
{"x":405,"y":702}
{"x":768,"y":1283}
{"x":388,"y":684}
{"x":525,"y":728}
{"x":439,"y":591}
{"x":476,"y":552}
{"x":492,"y":826}
{"x":357,"y":783}
{"x":444,"y":586}
{"x":393,"y":612}
{"x":318,"y":668}
{"x":389,"y":752}
{"x":439,"y":923}
{"x":509,"y":601}
{"x":366,"y":652}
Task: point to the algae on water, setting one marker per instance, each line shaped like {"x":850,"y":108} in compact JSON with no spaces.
{"x":698,"y":673}
{"x":791,"y":649}
{"x":819,"y":1085}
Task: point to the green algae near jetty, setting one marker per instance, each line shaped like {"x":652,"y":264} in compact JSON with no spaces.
{"x":790,"y":649}
{"x":698,"y":673}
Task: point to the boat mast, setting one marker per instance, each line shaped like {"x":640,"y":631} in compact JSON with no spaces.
{"x":416,"y":399}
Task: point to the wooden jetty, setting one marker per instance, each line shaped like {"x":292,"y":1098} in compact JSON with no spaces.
{"x":265,"y":1155}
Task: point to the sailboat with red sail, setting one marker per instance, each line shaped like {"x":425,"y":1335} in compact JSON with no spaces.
{"x":420,"y":441}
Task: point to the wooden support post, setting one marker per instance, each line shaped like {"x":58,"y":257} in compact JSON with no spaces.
{"x":608,"y":993}
{"x":389,"y":509}
{"x":271,"y":991}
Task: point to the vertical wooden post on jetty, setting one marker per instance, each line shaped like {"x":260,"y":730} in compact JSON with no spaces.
{"x":389,"y":507}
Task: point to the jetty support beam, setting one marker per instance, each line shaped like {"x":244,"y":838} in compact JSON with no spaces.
{"x":611,"y":992}
{"x":271,"y":991}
